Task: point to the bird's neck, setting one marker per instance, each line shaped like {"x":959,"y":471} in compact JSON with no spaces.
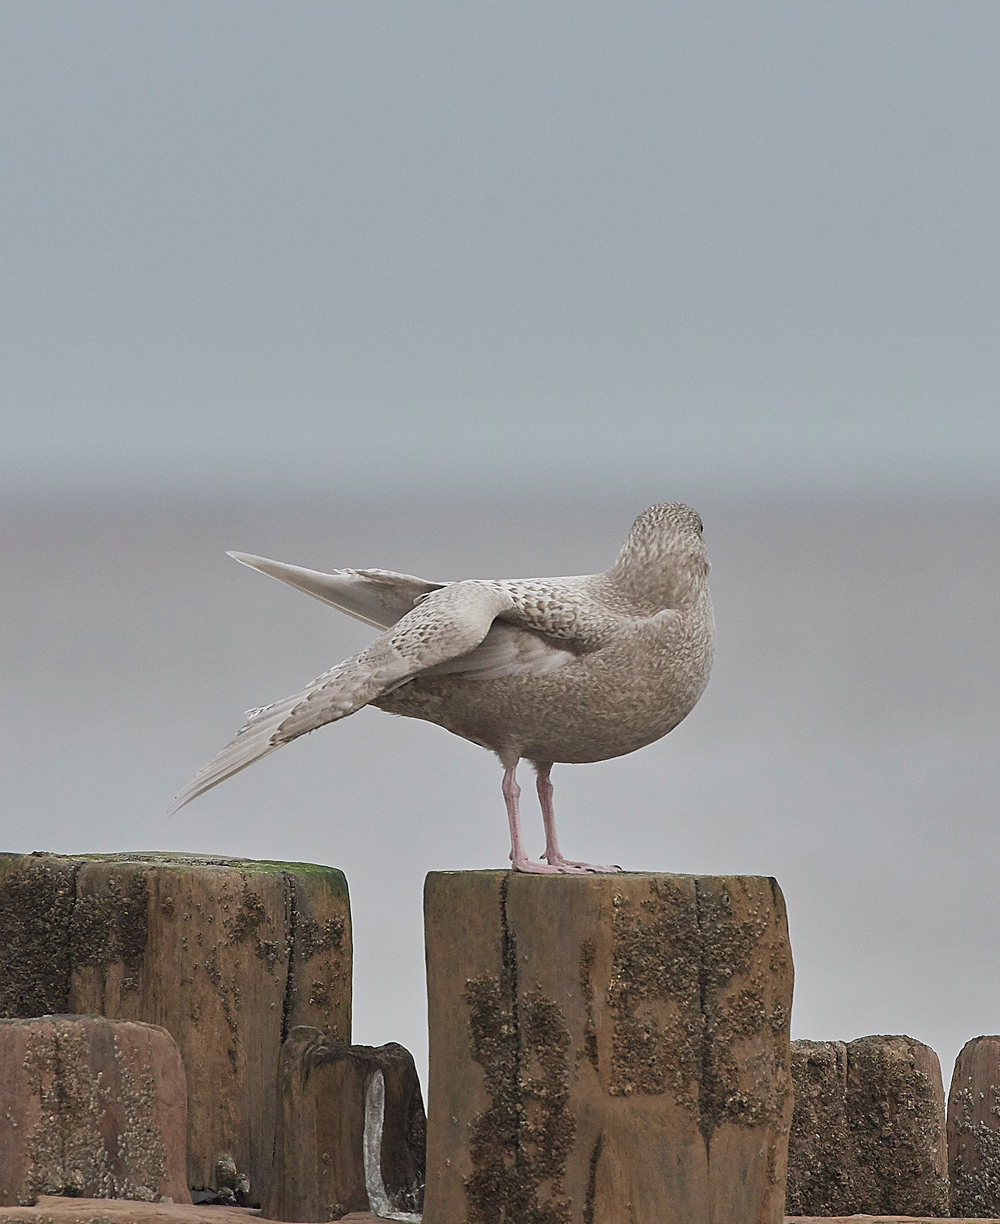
{"x":650,"y":585}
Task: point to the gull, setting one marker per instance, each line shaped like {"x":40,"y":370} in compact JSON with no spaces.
{"x":547,"y":670}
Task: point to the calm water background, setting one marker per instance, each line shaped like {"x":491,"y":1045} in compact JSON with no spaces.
{"x":847,"y":743}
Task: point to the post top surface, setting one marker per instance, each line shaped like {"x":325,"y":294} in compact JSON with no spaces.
{"x":333,"y":877}
{"x":592,"y":876}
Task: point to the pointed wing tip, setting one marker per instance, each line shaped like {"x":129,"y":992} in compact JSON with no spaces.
{"x":182,"y":799}
{"x":195,"y":789}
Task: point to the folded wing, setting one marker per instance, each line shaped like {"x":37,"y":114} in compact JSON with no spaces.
{"x":450,"y":622}
{"x":507,"y":650}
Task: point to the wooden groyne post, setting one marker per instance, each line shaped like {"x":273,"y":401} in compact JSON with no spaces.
{"x":607,"y":1048}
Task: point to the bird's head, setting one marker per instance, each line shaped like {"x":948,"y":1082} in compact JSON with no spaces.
{"x":664,"y":561}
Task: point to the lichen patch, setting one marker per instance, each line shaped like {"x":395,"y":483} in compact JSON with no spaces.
{"x":653,"y":994}
{"x":96,"y":1135}
{"x":740,"y":958}
{"x":112,"y":924}
{"x":36,"y":905}
{"x":519,"y":1145}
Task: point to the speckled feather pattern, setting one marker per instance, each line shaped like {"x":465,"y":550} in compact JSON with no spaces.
{"x":629,"y":681}
{"x":548,"y":669}
{"x":642,"y":636}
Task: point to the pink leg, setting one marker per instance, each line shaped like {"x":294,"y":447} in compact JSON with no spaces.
{"x":518,"y":856}
{"x":552,"y":854}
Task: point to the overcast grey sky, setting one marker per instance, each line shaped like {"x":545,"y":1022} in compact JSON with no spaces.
{"x":438,"y":245}
{"x":299,"y":270}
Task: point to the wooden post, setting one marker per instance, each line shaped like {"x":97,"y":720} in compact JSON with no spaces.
{"x":974,"y":1129}
{"x":607,"y":1049}
{"x":868,"y":1131}
{"x":351,"y":1131}
{"x":823,"y":1171}
{"x":91,"y":1108}
{"x":895,"y":1113}
{"x":226,"y":954}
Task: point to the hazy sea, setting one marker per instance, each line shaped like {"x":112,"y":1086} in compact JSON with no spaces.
{"x":847,"y":743}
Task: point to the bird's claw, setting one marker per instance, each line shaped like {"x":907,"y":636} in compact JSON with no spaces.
{"x":590,"y":868}
{"x":551,"y":865}
{"x":531,"y":867}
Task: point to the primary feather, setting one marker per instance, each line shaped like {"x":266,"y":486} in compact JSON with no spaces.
{"x":451,"y":621}
{"x":377,"y":597}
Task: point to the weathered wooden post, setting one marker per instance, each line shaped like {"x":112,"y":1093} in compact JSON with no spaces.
{"x":226,"y":954}
{"x":823,"y":1171}
{"x":868,"y":1130}
{"x":895,"y":1112}
{"x":351,"y":1131}
{"x":974,"y":1129}
{"x":607,"y":1049}
{"x":92,"y":1108}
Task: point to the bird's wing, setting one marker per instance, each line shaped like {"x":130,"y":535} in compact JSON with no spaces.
{"x":451,"y":621}
{"x":507,"y":650}
{"x":377,"y":597}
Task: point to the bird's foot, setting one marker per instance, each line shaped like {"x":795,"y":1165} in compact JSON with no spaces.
{"x":557,"y":860}
{"x":532,"y":868}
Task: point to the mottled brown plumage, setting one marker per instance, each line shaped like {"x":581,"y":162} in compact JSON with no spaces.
{"x":544,"y":669}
